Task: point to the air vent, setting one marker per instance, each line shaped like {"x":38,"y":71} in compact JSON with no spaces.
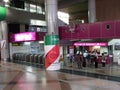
{"x":107,"y":26}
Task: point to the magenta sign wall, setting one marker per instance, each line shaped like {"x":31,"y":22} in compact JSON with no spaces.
{"x":27,"y":36}
{"x":98,"y":30}
{"x":90,"y":44}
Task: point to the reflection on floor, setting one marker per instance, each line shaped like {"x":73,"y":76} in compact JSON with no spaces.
{"x":21,"y":77}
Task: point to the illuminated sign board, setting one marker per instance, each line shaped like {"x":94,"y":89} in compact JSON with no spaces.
{"x":27,"y":36}
{"x":2,"y":13}
{"x":90,"y":44}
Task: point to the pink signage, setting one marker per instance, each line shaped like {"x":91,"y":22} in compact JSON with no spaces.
{"x":91,"y":44}
{"x":27,"y":36}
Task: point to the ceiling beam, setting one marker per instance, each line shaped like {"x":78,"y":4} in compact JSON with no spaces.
{"x":67,"y":3}
{"x":80,"y":12}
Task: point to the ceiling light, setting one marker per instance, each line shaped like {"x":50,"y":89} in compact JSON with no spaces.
{"x":6,"y":1}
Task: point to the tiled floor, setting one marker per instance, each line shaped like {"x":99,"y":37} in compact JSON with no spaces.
{"x":21,"y":77}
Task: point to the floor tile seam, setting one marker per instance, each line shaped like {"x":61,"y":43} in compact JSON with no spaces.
{"x":22,"y":66}
{"x":83,"y":72}
{"x":27,"y":71}
{"x":100,"y":77}
{"x":58,"y":79}
{"x":88,"y":72}
{"x":77,"y":83}
{"x":11,"y":83}
{"x":53,"y":78}
{"x":68,"y":69}
{"x":33,"y":72}
{"x":17,"y":69}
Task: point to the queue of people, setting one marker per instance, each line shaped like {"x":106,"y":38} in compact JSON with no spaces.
{"x":86,"y":59}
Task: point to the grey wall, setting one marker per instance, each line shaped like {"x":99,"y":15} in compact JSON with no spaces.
{"x":21,"y":16}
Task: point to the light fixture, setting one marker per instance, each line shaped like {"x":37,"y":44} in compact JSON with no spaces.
{"x":6,"y":1}
{"x":41,"y":41}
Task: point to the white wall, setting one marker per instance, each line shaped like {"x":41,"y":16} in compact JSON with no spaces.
{"x":115,"y":52}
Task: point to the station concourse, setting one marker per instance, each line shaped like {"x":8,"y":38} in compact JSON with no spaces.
{"x":38,"y":47}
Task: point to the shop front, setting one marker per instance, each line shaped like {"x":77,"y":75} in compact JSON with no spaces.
{"x":93,"y":48}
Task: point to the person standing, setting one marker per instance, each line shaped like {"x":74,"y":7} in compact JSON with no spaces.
{"x":61,"y":61}
{"x":95,"y":58}
{"x":77,"y":59}
{"x":85,"y":58}
{"x":71,"y":60}
{"x":103,"y":60}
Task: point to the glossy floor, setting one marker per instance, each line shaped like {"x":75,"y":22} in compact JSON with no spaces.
{"x":21,"y":77}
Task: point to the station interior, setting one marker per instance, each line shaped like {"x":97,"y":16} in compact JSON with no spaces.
{"x":59,"y":44}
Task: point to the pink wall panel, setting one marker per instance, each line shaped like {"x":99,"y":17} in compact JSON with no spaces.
{"x":64,"y":32}
{"x":75,"y":34}
{"x":117,"y":29}
{"x":108,"y":33}
{"x":83,"y":31}
{"x":40,"y":36}
{"x":95,"y":30}
{"x":67,"y":34}
{"x":61,"y":32}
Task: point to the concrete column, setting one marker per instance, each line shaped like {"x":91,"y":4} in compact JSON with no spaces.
{"x":51,"y":16}
{"x":4,"y":40}
{"x":52,"y":48}
{"x":3,"y":34}
{"x":92,"y":11}
{"x":2,"y":3}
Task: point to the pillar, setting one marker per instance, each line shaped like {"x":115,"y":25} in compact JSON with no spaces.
{"x":2,"y":3}
{"x":4,"y":40}
{"x":92,"y":11}
{"x":52,"y":48}
{"x":3,"y":33}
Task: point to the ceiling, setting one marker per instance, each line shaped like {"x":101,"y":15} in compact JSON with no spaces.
{"x":77,"y":9}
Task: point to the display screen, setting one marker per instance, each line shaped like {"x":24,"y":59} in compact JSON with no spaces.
{"x":27,"y":36}
{"x":91,"y":44}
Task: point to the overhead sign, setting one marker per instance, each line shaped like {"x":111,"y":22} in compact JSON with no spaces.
{"x":27,"y":36}
{"x":2,"y":13}
{"x":91,"y":44}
